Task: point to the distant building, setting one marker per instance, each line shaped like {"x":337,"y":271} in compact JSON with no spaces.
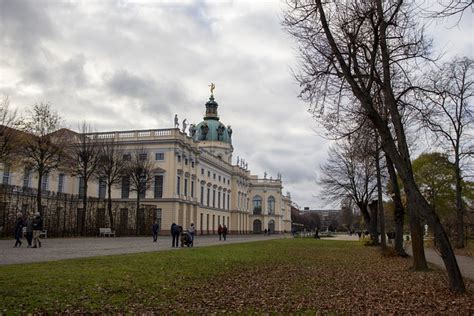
{"x":329,"y":218}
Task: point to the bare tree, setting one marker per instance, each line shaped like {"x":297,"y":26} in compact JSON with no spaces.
{"x":8,"y":135}
{"x":140,"y":172}
{"x":42,"y":144}
{"x":347,"y":174}
{"x":84,"y":155}
{"x":111,"y":169}
{"x":367,"y":50}
{"x":447,"y":112}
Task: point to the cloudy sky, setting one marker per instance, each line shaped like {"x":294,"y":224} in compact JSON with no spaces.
{"x":133,"y":65}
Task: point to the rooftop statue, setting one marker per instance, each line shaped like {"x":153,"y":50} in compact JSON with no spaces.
{"x":185,"y":124}
{"x":229,"y":131}
{"x":220,"y":132}
{"x":213,"y":86}
{"x":192,"y":130}
{"x":176,"y":121}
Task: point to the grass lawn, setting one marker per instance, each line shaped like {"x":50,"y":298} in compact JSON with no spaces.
{"x":289,"y":275}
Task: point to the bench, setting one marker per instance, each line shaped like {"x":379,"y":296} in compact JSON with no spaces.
{"x":44,"y":233}
{"x":106,"y":232}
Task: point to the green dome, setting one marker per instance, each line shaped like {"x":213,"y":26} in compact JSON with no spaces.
{"x":211,"y":129}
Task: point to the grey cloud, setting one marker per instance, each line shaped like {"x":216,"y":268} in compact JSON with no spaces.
{"x":24,"y":24}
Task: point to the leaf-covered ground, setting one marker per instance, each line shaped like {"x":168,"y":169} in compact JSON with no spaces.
{"x":282,"y":276}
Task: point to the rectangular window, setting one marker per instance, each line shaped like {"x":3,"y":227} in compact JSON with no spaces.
{"x":185,"y":187}
{"x":159,"y":156}
{"x":102,"y":187}
{"x":186,"y":161}
{"x":178,"y":185}
{"x":127,"y":157}
{"x":26,"y":178}
{"x":61,"y":183}
{"x":214,"y":176}
{"x":219,"y":199}
{"x":208,"y":196}
{"x":202,"y":195}
{"x":219,"y":178}
{"x":142,"y":156}
{"x":179,"y":158}
{"x":44,"y":182}
{"x":192,"y":164}
{"x":209,"y":174}
{"x":214,"y":198}
{"x":125,"y":187}
{"x":81,"y":187}
{"x":192,"y":188}
{"x":6,"y":175}
{"x":223,"y":200}
{"x":158,"y":189}
{"x":218,"y":219}
{"x":202,"y":171}
{"x":228,"y":201}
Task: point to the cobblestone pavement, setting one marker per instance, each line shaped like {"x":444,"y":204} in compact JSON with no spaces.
{"x":68,"y":248}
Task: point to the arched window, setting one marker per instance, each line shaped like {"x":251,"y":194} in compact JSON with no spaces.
{"x":257,"y":205}
{"x":271,"y":205}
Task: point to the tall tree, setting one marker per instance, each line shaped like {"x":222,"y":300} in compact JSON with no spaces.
{"x":348,"y":174}
{"x":364,"y":50}
{"x":42,"y":144}
{"x":111,"y":169}
{"x":84,"y":155}
{"x":140,"y":172}
{"x":448,"y":111}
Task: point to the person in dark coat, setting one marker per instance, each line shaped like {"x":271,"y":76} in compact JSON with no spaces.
{"x":37,"y":229}
{"x":219,"y":231}
{"x":29,"y":230}
{"x":175,"y":231}
{"x":18,"y":230}
{"x":224,"y":232}
{"x":154,"y":230}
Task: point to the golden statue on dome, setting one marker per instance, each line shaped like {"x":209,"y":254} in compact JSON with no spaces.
{"x":213,"y":86}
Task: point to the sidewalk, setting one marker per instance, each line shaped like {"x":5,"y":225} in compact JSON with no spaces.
{"x":466,"y":264}
{"x":69,"y":248}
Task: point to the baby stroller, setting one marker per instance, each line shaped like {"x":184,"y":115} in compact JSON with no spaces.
{"x":186,"y":239}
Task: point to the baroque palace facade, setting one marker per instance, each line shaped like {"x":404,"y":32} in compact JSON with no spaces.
{"x":194,"y":181}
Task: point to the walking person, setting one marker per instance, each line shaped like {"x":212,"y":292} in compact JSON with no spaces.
{"x":37,"y":228}
{"x":18,"y":230}
{"x":192,"y":231}
{"x":219,"y":231}
{"x":29,"y":230}
{"x":175,"y":235}
{"x":224,"y":232}
{"x":154,"y":230}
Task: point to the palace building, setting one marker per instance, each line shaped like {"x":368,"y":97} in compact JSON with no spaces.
{"x":194,"y":181}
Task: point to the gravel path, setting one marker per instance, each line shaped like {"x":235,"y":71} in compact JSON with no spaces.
{"x":68,"y":248}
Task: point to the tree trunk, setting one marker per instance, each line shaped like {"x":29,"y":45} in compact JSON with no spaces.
{"x":38,"y":194}
{"x":138,"y":208}
{"x":416,"y":231}
{"x":84,"y":209}
{"x":365,"y":214}
{"x":374,"y":234}
{"x":459,"y":205}
{"x":381,"y":214}
{"x":109,"y":206}
{"x":399,"y":212}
